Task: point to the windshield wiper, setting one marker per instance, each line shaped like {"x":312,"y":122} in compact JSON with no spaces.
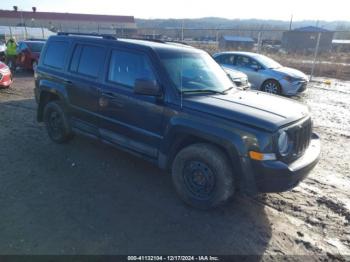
{"x":228,"y":89}
{"x":203,"y":91}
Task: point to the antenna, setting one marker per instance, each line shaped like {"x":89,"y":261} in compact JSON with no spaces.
{"x":291,"y":22}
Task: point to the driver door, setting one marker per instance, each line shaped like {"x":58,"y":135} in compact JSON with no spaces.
{"x":251,"y":68}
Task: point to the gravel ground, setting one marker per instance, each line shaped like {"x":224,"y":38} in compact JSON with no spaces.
{"x":87,"y":198}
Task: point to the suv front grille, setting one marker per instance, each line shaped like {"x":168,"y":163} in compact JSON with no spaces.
{"x":300,"y":134}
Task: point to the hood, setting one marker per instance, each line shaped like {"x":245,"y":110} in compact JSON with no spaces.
{"x":234,"y":73}
{"x":291,"y":72}
{"x":254,"y":108}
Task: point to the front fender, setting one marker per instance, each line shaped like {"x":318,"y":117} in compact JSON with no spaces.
{"x":229,"y":138}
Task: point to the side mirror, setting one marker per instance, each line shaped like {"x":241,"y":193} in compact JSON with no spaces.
{"x":147,"y":87}
{"x":255,"y":67}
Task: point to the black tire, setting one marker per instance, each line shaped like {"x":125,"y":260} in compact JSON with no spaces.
{"x":202,"y":176}
{"x":56,"y":121}
{"x":271,"y":86}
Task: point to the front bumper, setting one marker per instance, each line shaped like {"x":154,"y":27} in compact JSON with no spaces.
{"x":5,"y":80}
{"x":242,"y":83}
{"x":293,"y":88}
{"x":277,"y":176}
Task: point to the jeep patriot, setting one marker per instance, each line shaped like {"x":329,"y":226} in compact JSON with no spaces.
{"x":175,"y":106}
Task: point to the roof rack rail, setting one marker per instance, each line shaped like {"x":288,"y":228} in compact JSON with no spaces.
{"x":176,"y":42}
{"x":160,"y":41}
{"x":104,"y":36}
{"x":145,"y":39}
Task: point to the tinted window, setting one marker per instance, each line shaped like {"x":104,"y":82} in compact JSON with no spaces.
{"x":126,"y":67}
{"x":244,"y":61}
{"x":56,"y":54}
{"x":226,"y":59}
{"x":35,"y":46}
{"x":91,"y":60}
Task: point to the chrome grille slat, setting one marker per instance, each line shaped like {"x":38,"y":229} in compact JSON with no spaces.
{"x":301,"y":135}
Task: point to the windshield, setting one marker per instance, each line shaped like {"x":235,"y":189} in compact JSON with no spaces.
{"x":195,"y":72}
{"x":267,"y":62}
{"x":35,"y":47}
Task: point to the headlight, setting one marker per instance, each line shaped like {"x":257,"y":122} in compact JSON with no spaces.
{"x":283,"y":143}
{"x":290,"y":79}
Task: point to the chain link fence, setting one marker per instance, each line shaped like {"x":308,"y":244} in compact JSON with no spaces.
{"x":315,"y":51}
{"x":24,"y":32}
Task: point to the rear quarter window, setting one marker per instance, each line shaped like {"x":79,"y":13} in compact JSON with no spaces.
{"x":56,"y":53}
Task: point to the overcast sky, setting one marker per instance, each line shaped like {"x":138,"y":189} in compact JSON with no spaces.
{"x":260,"y":9}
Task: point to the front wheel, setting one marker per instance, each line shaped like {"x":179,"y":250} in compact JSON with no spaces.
{"x":56,"y":122}
{"x":202,"y":176}
{"x":272,"y":87}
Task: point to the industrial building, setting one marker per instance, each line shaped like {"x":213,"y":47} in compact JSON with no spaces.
{"x":304,"y":40}
{"x":236,"y":42}
{"x":85,"y":23}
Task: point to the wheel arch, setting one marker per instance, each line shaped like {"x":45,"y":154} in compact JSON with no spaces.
{"x":270,"y":79}
{"x":46,"y":96}
{"x":184,"y":138}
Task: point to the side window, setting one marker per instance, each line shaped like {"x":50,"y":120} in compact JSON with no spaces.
{"x":55,"y":54}
{"x":220,"y":59}
{"x":226,"y":59}
{"x":87,"y":60}
{"x":247,"y":62}
{"x":242,"y":61}
{"x":125,"y":67}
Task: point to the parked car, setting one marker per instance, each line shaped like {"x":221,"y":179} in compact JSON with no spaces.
{"x":29,"y":53}
{"x":2,"y":50}
{"x":176,"y":107}
{"x":240,"y":79}
{"x":5,"y":75}
{"x":264,"y":73}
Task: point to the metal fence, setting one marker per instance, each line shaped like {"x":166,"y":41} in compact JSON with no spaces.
{"x":320,"y":53}
{"x":317,"y":56}
{"x":24,"y":32}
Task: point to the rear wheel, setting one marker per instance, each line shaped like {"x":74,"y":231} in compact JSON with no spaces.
{"x":202,"y":176}
{"x":56,"y":122}
{"x":272,"y":87}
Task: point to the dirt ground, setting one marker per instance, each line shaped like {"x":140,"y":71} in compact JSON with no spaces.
{"x":87,"y":198}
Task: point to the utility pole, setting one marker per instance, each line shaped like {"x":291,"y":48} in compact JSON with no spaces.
{"x":42,"y":30}
{"x":182,"y":30}
{"x":259,"y":42}
{"x":315,"y":55}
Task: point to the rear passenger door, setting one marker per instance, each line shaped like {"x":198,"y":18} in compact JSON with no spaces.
{"x":129,"y":120}
{"x":226,"y":60}
{"x":83,"y":85}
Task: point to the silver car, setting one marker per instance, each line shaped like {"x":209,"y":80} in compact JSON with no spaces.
{"x":239,"y":78}
{"x":264,"y":73}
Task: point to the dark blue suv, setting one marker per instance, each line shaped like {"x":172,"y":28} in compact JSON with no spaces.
{"x":175,"y":106}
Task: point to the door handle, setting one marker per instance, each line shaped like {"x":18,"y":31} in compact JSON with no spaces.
{"x":66,"y":81}
{"x":108,"y":94}
{"x":117,"y":102}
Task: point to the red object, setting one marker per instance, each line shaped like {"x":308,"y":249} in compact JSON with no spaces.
{"x":5,"y":75}
{"x":28,"y":53}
